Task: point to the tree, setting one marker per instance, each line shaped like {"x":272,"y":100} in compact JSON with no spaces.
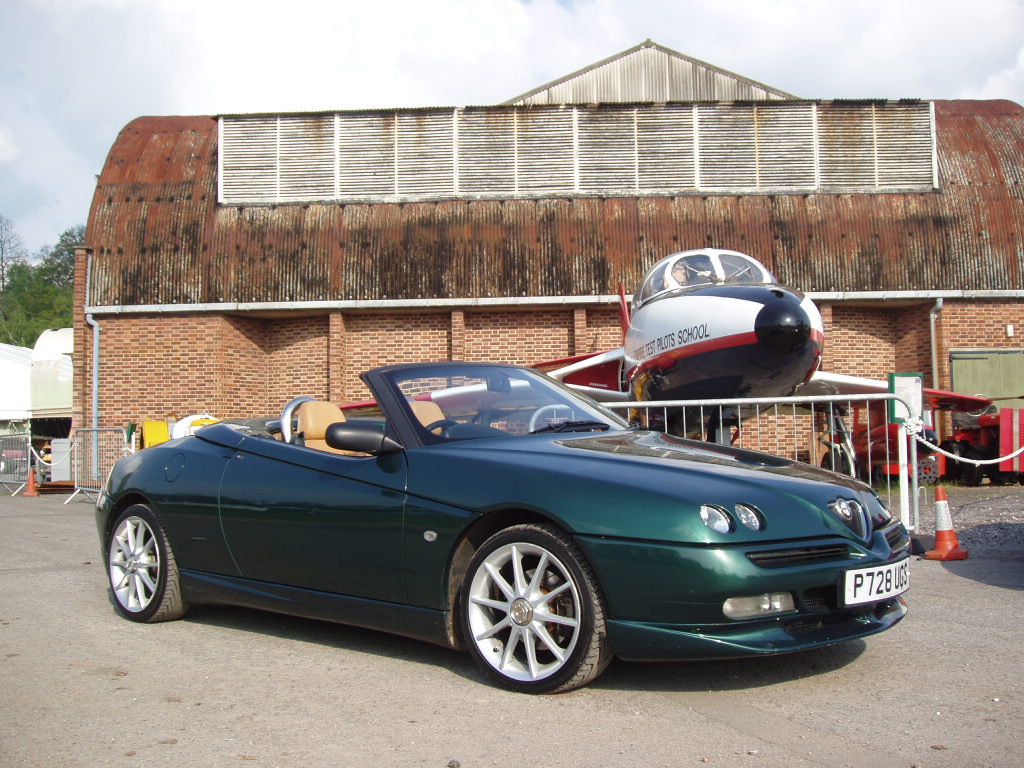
{"x":56,"y":265}
{"x":12,"y":249}
{"x":35,"y":295}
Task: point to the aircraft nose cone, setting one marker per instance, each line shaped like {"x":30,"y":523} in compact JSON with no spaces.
{"x":783,"y":325}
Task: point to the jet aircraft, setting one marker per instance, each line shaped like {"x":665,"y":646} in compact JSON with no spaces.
{"x":705,"y":324}
{"x":709,"y":324}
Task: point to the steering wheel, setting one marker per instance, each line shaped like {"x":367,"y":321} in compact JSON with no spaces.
{"x":441,"y":424}
{"x":553,"y":408}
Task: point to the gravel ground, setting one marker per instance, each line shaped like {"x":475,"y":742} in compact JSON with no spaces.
{"x":228,"y":687}
{"x":987,"y":518}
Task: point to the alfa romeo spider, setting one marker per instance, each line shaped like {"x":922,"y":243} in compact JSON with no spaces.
{"x":487,"y":507}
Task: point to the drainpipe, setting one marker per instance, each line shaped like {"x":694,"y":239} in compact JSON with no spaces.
{"x":95,"y":370}
{"x":932,"y":318}
{"x":91,"y":322}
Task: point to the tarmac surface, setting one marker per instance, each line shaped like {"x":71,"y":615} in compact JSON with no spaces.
{"x":232,"y":687}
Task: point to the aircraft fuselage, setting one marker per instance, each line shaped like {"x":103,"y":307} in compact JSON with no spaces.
{"x":724,"y":340}
{"x":716,"y":324}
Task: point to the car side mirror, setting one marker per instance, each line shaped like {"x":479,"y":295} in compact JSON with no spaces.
{"x":360,"y":437}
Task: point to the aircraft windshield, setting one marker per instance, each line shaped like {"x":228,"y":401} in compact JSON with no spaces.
{"x":736,"y":269}
{"x":692,"y":269}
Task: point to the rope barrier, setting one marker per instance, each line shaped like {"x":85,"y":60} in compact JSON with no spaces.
{"x":40,"y":460}
{"x":915,"y":427}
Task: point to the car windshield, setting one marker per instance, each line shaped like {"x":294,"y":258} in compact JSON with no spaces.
{"x":462,"y":402}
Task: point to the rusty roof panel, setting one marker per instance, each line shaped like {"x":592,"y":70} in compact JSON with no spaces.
{"x":160,"y":238}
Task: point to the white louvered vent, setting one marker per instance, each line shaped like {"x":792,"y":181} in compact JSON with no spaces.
{"x":673,"y":148}
{"x":366,"y":155}
{"x":666,"y":149}
{"x":306,"y":157}
{"x":545,"y":151}
{"x":487,"y":152}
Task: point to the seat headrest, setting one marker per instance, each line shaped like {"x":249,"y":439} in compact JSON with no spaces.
{"x":426,"y":411}
{"x":316,"y":416}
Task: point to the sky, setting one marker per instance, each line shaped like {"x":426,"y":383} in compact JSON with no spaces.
{"x":73,"y":73}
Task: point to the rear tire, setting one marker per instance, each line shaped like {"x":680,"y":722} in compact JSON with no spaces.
{"x":953,"y":467}
{"x":532,"y":613}
{"x":141,"y":568}
{"x":972,"y":474}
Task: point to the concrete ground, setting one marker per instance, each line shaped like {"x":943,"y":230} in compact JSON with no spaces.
{"x":230,"y":687}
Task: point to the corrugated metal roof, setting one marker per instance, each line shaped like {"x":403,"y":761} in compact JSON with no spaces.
{"x":649,"y":72}
{"x":159,"y":236}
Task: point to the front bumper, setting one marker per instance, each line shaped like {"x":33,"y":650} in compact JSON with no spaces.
{"x":641,"y":641}
{"x":665,"y":600}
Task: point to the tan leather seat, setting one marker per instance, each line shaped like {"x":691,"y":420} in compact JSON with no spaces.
{"x":315,"y":416}
{"x":427,"y":411}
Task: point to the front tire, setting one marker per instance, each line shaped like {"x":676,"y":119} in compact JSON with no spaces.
{"x":141,"y":568}
{"x":532,"y":613}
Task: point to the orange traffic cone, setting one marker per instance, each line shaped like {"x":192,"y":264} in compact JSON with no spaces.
{"x":30,"y":489}
{"x":947,"y":546}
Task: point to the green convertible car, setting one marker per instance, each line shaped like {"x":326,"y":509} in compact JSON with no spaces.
{"x":487,"y":507}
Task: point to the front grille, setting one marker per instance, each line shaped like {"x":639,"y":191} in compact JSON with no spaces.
{"x":801,"y":556}
{"x":801,"y":627}
{"x":819,"y":599}
{"x":805,"y":626}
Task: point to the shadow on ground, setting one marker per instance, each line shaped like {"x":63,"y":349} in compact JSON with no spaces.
{"x":713,"y":675}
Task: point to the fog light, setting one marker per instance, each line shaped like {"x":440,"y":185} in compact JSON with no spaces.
{"x":758,"y":605}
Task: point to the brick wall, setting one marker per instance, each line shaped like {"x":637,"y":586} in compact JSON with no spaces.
{"x":517,"y":336}
{"x":154,"y":366}
{"x":390,"y":338}
{"x":174,"y":365}
{"x":295,"y":362}
{"x":159,"y":366}
{"x":860,"y":342}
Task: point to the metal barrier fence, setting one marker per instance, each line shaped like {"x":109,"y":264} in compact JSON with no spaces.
{"x":93,"y":454}
{"x":852,"y":435}
{"x":15,"y":459}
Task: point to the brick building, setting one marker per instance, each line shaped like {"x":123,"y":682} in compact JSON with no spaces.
{"x":236,"y":261}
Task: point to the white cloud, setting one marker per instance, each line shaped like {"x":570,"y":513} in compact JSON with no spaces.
{"x":8,"y":148}
{"x":1005,"y":83}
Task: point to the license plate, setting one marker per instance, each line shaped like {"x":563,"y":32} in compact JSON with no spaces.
{"x":869,"y":585}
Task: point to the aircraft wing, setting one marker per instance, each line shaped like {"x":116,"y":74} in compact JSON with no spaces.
{"x":599,"y":375}
{"x":823,"y":383}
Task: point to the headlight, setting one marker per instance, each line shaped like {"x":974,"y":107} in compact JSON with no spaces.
{"x":720,"y":520}
{"x":750,"y":516}
{"x":716,"y":518}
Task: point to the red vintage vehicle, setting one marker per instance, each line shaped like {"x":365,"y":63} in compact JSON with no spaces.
{"x":989,"y":435}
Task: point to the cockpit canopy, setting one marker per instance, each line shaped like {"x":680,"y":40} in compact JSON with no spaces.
{"x":690,"y":269}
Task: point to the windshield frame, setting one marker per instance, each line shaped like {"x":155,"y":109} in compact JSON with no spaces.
{"x":484,"y":400}
{"x":678,"y":273}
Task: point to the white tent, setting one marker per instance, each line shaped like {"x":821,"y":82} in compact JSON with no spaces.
{"x":51,"y":374}
{"x":15,"y":383}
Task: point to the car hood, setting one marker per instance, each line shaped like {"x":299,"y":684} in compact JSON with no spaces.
{"x":641,"y":485}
